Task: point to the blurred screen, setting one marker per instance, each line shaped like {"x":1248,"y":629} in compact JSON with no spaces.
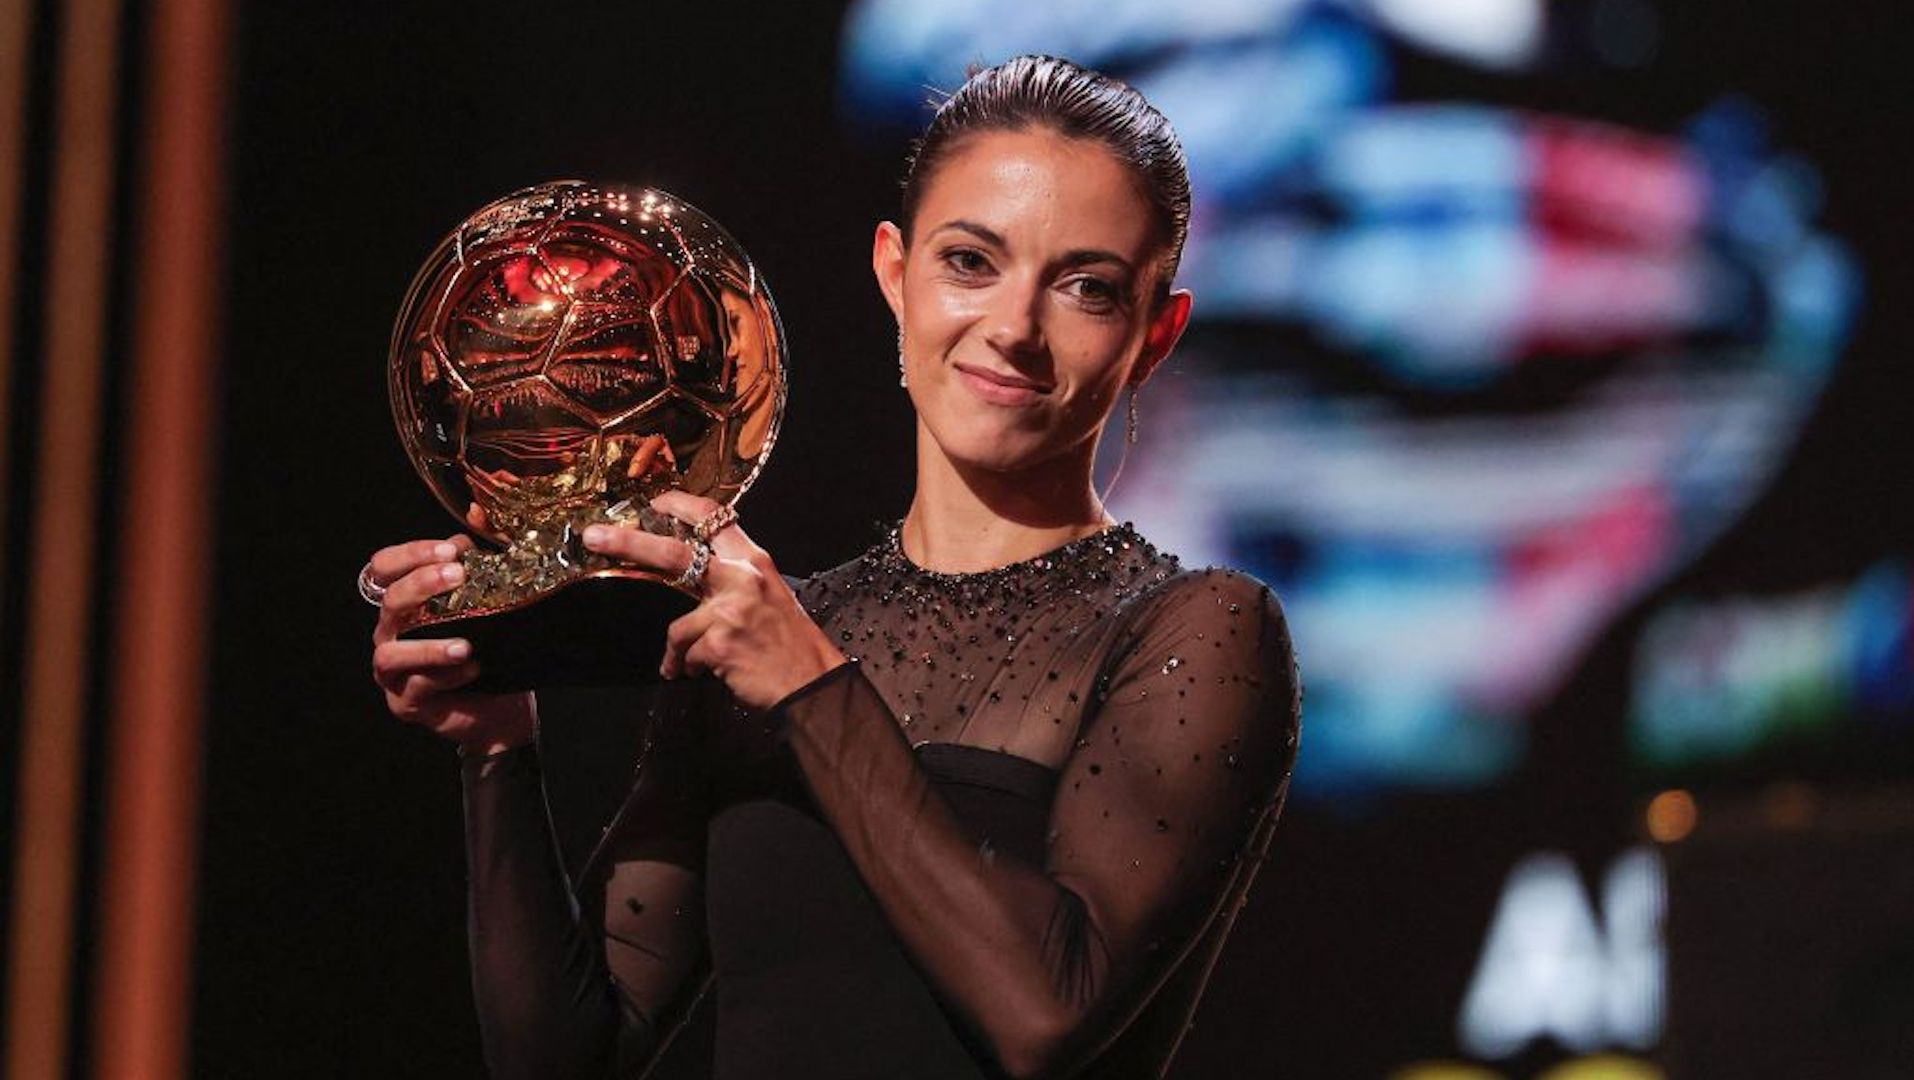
{"x":1468,"y":378}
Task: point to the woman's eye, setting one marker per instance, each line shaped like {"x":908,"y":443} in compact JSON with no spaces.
{"x":1095,"y":292}
{"x":966,"y":261}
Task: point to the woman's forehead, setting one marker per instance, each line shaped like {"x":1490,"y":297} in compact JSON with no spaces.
{"x":1039,"y":186}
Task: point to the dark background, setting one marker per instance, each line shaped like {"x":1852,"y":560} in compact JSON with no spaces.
{"x":330,"y":940}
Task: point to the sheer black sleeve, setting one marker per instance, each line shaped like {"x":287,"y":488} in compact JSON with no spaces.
{"x":1183,"y":753}
{"x":566,"y":989}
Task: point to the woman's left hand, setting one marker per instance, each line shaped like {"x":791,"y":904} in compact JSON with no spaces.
{"x":748,"y":628}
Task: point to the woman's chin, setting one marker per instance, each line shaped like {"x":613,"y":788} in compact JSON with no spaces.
{"x":995,"y":452}
{"x":1006,"y":454}
{"x":997,"y":442}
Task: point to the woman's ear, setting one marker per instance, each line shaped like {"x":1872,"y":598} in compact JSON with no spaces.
{"x":887,"y":263}
{"x":1167,"y":324}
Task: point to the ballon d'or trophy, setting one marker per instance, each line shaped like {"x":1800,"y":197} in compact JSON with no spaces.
{"x":565,"y":355}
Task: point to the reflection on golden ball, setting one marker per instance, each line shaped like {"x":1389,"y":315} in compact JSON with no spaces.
{"x":579,"y":343}
{"x":574,"y":349}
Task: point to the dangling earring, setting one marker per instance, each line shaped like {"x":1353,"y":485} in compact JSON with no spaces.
{"x":1130,"y":432}
{"x":902,"y":378}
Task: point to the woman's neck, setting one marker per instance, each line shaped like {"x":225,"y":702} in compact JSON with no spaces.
{"x":966,"y":520}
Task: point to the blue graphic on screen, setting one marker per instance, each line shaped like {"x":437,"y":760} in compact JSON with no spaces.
{"x":1727,"y":677}
{"x":1466,"y":381}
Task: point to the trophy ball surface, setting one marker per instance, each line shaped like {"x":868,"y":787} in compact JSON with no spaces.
{"x":579,"y":345}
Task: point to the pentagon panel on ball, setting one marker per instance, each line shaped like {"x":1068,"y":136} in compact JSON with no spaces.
{"x":568,"y":353}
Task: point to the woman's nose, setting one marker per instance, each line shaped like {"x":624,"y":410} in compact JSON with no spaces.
{"x":1016,"y":320}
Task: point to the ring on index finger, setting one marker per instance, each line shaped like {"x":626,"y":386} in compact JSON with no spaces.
{"x":692,"y":579}
{"x":715,"y":522}
{"x":369,"y":589}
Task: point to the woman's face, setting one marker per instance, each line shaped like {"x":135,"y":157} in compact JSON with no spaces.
{"x":1025,"y":297}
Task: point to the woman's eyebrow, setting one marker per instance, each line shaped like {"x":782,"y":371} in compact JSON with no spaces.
{"x":1086,"y":256}
{"x":981,"y":232}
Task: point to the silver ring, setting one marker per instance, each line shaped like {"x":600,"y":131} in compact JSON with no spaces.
{"x":692,"y":580}
{"x":369,"y":590}
{"x":715,"y":522}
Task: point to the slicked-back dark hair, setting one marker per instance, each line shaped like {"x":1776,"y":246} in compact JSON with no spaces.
{"x":1048,"y":93}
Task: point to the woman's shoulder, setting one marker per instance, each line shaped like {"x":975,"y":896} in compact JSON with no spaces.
{"x":1214,"y":616}
{"x":1194,"y":595}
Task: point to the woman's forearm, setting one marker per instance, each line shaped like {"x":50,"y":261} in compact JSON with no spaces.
{"x":1020,"y":955}
{"x":545,"y":1002}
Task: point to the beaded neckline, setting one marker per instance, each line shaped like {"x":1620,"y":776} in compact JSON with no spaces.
{"x":1085,"y":558}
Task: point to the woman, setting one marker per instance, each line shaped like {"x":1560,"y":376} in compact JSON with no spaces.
{"x":982,"y":801}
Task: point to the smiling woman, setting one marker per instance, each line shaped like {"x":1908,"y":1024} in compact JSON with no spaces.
{"x":980,"y":802}
{"x":1027,"y":301}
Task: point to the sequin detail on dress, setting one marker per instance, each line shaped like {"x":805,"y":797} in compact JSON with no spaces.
{"x":975,"y":657}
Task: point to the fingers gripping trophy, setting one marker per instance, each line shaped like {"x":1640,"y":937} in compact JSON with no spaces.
{"x":569,"y":353}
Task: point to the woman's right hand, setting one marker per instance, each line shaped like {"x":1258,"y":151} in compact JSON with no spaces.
{"x":422,"y":678}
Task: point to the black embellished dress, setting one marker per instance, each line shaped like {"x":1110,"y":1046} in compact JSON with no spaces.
{"x":1008,"y":838}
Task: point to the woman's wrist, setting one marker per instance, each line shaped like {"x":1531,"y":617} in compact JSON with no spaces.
{"x":483,"y":769}
{"x":493,"y":738}
{"x":843,"y":667}
{"x":826,"y":663}
{"x":488,"y":748}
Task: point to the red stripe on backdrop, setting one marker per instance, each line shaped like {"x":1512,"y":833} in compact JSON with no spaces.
{"x":62,"y":547}
{"x":14,"y":28}
{"x":146,"y":907}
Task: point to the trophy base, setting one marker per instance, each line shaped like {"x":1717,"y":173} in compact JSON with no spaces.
{"x":598,"y":631}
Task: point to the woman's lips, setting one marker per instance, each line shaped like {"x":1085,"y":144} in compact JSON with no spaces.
{"x":999,"y":388}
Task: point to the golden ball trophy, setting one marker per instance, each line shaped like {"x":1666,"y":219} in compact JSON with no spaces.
{"x":565,"y":355}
